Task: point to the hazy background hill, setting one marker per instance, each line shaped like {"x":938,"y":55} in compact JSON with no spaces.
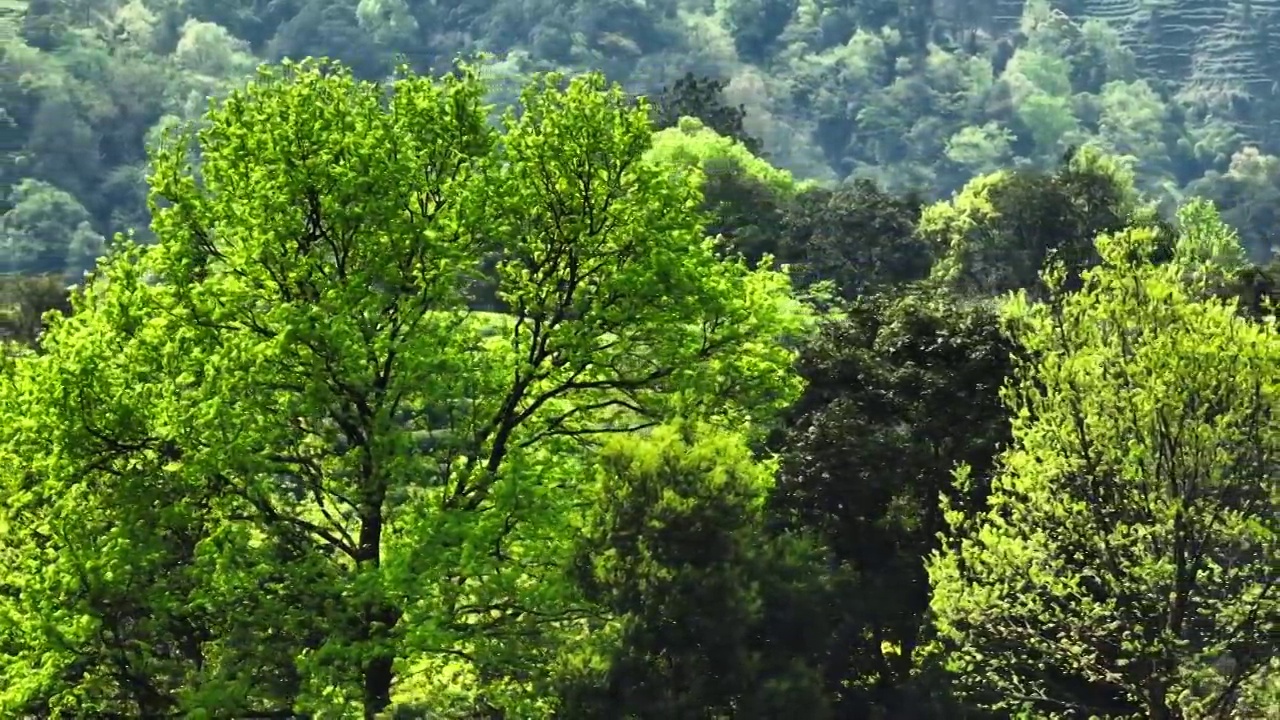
{"x":913,"y":94}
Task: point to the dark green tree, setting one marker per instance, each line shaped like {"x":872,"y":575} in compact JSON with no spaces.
{"x":756,"y":25}
{"x":857,"y":236}
{"x":719,"y":619}
{"x":748,"y":213}
{"x":997,"y":233}
{"x":330,"y":28}
{"x":703,"y":98}
{"x":899,"y":393}
{"x":23,"y":302}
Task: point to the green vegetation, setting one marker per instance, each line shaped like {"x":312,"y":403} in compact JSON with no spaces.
{"x":912,"y":95}
{"x":1125,"y":562}
{"x":918,"y":363}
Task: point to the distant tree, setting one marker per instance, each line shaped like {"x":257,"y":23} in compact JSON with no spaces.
{"x":330,"y":28}
{"x":209,"y":49}
{"x":253,"y":21}
{"x":756,"y":24}
{"x":46,"y":230}
{"x":1258,"y":288}
{"x":62,"y":146}
{"x":1249,"y":195}
{"x":702,"y":98}
{"x":25,"y":299}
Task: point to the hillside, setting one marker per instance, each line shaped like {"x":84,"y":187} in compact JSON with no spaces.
{"x":914,"y":95}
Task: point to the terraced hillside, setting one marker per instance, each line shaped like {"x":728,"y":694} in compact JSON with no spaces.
{"x":11,"y":18}
{"x":1222,"y":54}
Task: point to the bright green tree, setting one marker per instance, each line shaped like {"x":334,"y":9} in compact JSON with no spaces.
{"x":1126,"y":566}
{"x":276,"y":463}
{"x":996,"y":234}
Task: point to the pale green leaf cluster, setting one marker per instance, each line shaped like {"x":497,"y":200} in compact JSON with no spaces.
{"x":1206,"y":247}
{"x":693,"y":145}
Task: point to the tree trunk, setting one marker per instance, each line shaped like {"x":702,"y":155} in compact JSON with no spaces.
{"x":378,"y":617}
{"x":377,"y":685}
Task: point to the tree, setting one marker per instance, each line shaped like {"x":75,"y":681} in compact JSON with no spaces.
{"x":997,"y":233}
{"x":980,"y":149}
{"x":24,"y":301}
{"x":857,"y":236}
{"x":391,"y":22}
{"x":298,"y":468}
{"x":1132,"y":123}
{"x":748,"y":212}
{"x":1258,"y":289}
{"x":63,"y":147}
{"x":756,"y":24}
{"x":1248,"y":193}
{"x":745,"y":197}
{"x":898,"y":393}
{"x":329,"y":28}
{"x":702,"y":98}
{"x":46,"y":230}
{"x":207,"y":49}
{"x":1126,"y":566}
{"x":717,"y":617}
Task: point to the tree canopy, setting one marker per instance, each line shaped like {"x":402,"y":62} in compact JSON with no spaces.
{"x":1126,"y":565}
{"x":287,"y":403}
{"x":599,"y":359}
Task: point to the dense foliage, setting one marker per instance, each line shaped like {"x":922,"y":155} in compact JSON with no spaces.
{"x":1126,"y":562}
{"x":781,"y":358}
{"x":913,"y":95}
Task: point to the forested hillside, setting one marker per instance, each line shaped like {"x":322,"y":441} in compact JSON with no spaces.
{"x":750,"y":359}
{"x":915,"y":95}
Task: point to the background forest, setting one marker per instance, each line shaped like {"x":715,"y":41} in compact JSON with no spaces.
{"x":885,"y":359}
{"x":913,"y":94}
